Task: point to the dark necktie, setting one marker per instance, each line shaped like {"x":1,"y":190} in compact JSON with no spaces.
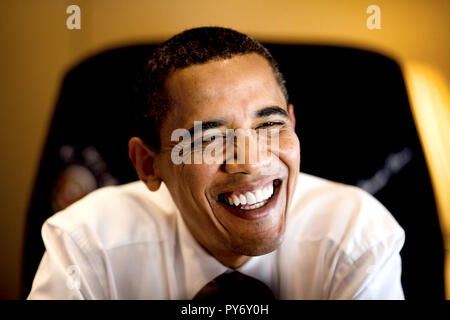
{"x":235,"y":286}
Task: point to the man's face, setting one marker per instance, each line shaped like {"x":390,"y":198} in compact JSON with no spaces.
{"x":237,"y":93}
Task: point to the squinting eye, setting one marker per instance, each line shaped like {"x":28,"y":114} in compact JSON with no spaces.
{"x":210,"y":138}
{"x":206,"y":139}
{"x":270,"y":124}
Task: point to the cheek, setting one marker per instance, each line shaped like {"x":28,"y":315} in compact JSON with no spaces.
{"x":290,"y":156}
{"x":196,"y":178}
{"x":289,"y":150}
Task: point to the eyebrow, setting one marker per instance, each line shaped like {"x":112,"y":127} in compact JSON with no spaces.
{"x":265,"y":112}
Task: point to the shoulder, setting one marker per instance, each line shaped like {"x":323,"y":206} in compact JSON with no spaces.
{"x":117,"y":215}
{"x":349,"y":217}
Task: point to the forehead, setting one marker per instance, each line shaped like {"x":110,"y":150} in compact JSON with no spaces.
{"x":222,"y":87}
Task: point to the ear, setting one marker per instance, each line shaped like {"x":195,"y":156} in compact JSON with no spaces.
{"x":143,"y":159}
{"x":291,"y":114}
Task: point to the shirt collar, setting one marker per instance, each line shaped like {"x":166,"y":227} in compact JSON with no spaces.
{"x":263,"y":268}
{"x":199,"y":266}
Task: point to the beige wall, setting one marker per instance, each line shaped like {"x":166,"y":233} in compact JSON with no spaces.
{"x":36,"y":50}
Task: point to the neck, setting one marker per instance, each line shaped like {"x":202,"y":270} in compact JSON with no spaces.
{"x":227,"y":257}
{"x":232,"y":262}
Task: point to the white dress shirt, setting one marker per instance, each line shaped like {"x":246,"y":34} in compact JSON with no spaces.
{"x":125,"y":242}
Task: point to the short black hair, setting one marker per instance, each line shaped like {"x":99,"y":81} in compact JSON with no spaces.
{"x":191,"y":47}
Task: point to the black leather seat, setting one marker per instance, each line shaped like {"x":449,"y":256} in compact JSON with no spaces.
{"x":353,"y":120}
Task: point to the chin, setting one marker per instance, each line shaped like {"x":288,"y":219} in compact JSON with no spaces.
{"x":258,"y":248}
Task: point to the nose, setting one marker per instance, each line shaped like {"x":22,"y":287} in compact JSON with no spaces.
{"x":248,"y":155}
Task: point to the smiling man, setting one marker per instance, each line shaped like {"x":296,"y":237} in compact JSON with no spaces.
{"x":189,"y":222}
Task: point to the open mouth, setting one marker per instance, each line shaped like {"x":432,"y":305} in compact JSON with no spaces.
{"x":251,"y":199}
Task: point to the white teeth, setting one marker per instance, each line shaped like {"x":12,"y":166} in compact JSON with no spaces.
{"x":259,"y":195}
{"x":269,"y":191}
{"x":236,"y":200}
{"x":266,"y":193}
{"x":243,"y":199}
{"x":257,"y":205}
{"x":251,"y":199}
